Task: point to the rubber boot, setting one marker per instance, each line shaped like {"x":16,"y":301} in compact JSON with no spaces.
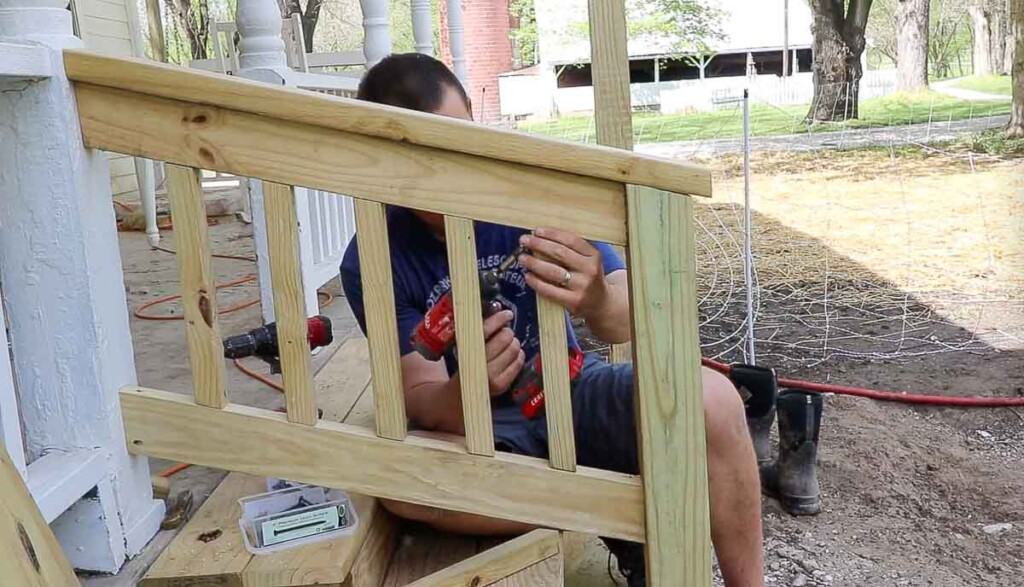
{"x":758,"y":387}
{"x":793,"y":479}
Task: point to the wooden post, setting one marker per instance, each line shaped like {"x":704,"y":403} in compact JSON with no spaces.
{"x":198,"y":288}
{"x":610,"y":73}
{"x":260,"y":45}
{"x":64,"y":294}
{"x":669,"y":393}
{"x":289,"y":305}
{"x":381,"y":320}
{"x":469,"y":332}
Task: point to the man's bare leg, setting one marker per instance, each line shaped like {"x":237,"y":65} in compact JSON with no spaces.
{"x":734,"y":485}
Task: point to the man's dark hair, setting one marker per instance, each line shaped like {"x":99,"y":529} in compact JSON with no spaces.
{"x":410,"y":80}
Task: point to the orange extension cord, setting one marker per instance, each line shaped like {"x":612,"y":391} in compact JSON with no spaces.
{"x":139,"y":313}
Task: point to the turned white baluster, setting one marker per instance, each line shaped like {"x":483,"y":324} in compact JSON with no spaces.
{"x":422,"y":26}
{"x":376,"y":30}
{"x":455,"y":39}
{"x":259,"y":30}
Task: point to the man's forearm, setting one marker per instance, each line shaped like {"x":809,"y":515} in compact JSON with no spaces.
{"x":436,"y":405}
{"x":611,"y":322}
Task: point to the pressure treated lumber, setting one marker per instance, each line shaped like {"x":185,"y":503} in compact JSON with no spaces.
{"x":287,"y":104}
{"x":289,"y":302}
{"x":475,"y":389}
{"x":209,"y":549}
{"x":549,"y":572}
{"x":198,"y":288}
{"x":263,"y":442}
{"x":613,"y":114}
{"x":557,"y":400}
{"x":496,"y":563}
{"x":669,"y":393}
{"x":381,"y":318}
{"x":365,"y":167}
{"x":343,"y":379}
{"x":30,"y":555}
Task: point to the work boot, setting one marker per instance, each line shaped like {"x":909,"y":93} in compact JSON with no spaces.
{"x":793,"y":479}
{"x":630,"y":557}
{"x":758,"y":387}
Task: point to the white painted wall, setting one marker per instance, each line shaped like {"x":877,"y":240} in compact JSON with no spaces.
{"x":64,"y":292}
{"x":525,"y":95}
{"x":747,"y":25}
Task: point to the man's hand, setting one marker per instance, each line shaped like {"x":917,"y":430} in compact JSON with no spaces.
{"x":505,"y":356}
{"x":565,"y":268}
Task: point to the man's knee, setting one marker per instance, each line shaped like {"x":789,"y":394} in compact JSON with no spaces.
{"x":724,"y":417}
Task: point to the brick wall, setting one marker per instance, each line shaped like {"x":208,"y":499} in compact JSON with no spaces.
{"x":487,"y":49}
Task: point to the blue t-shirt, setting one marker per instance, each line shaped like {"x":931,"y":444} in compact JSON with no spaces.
{"x":419,"y":262}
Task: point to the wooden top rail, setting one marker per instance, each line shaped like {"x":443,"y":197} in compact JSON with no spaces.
{"x":395,"y":124}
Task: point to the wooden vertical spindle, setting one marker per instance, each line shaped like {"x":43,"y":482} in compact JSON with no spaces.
{"x":289,"y":304}
{"x":198,"y":289}
{"x":557,"y":400}
{"x":381,"y":320}
{"x":469,"y":331}
{"x":673,"y":458}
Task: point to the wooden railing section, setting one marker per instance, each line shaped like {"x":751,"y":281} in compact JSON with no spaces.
{"x":384,"y":156}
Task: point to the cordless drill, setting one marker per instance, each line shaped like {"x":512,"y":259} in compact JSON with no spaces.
{"x":262,"y":342}
{"x":434,"y":336}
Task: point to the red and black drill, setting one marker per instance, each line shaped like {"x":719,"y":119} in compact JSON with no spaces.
{"x":434,"y":336}
{"x":262,"y":341}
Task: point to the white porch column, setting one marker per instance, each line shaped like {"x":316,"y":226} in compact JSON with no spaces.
{"x":64,"y":295}
{"x":376,"y":30}
{"x":261,"y":50}
{"x":455,"y":40}
{"x":423,"y":26}
{"x":147,"y":195}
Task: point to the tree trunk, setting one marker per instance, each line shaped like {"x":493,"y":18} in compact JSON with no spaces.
{"x":309,"y":20}
{"x":838,"y":45}
{"x":912,"y":44}
{"x":1016,"y":127}
{"x":982,"y":27}
{"x":998,"y":37}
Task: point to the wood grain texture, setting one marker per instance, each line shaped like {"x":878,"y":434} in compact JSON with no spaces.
{"x":418,"y":470}
{"x":376,"y":554}
{"x":381,"y":319}
{"x":321,"y":563}
{"x":384,"y":122}
{"x":30,"y":555}
{"x":343,"y":379}
{"x":549,"y":572}
{"x":198,"y":288}
{"x":424,"y":551}
{"x":496,"y":563}
{"x":669,"y":391}
{"x":610,"y":71}
{"x":557,"y":399}
{"x":289,"y":303}
{"x":365,"y":167}
{"x":469,"y":333}
{"x":221,"y":557}
{"x":613,"y":116}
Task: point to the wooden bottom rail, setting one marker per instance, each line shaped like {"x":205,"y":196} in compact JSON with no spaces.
{"x":497,"y":563}
{"x":417,"y":470}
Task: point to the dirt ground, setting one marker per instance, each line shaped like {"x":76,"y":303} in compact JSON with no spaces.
{"x":901,"y":271}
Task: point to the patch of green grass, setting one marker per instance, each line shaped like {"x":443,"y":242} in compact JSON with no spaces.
{"x":994,"y":142}
{"x":990,"y":84}
{"x":893,"y":110}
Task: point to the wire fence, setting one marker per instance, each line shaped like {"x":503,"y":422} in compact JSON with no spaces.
{"x":893,"y":238}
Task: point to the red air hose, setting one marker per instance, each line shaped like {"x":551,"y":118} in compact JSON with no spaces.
{"x":885,"y":396}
